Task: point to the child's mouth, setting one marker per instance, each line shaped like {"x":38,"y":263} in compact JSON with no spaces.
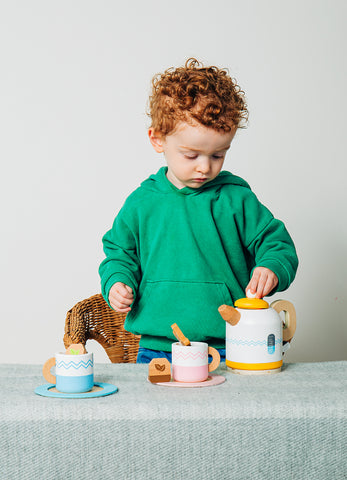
{"x":199,"y":180}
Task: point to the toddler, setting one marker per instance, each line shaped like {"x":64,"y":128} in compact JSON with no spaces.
{"x":192,"y":237}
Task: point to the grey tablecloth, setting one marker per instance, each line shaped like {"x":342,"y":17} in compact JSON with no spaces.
{"x":290,"y":425}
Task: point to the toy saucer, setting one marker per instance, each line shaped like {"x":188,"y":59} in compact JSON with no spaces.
{"x":211,"y":381}
{"x":99,"y":390}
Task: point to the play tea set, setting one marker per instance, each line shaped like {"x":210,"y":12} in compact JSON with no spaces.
{"x":256,"y":339}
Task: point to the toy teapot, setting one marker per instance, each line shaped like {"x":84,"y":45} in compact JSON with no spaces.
{"x":255,"y":333}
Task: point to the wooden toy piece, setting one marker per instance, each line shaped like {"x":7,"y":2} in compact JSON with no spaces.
{"x":289,"y":317}
{"x":229,"y":314}
{"x":179,"y":335}
{"x":159,"y":370}
{"x":76,"y":349}
{"x":215,"y":359}
{"x":46,"y":370}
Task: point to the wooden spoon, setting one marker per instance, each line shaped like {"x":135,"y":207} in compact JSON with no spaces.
{"x":179,"y":335}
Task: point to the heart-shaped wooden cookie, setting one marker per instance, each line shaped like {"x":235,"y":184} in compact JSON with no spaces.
{"x":159,"y":370}
{"x":76,"y":349}
{"x":159,"y":367}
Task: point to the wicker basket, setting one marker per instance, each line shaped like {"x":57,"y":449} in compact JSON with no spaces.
{"x":94,"y":319}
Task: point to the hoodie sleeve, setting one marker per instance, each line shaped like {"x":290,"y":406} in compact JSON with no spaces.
{"x":121,"y":263}
{"x":268,"y":242}
{"x":274,"y":249}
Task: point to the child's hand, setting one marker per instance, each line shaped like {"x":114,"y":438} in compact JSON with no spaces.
{"x":263,"y":281}
{"x":121,"y":297}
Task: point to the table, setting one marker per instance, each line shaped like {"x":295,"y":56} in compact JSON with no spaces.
{"x":290,"y":425}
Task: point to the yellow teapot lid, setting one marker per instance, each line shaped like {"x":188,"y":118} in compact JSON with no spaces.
{"x":251,"y":303}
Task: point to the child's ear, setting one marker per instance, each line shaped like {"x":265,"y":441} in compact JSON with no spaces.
{"x":156,"y":140}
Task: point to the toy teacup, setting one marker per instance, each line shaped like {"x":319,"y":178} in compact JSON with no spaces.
{"x":190,"y":362}
{"x":73,"y":373}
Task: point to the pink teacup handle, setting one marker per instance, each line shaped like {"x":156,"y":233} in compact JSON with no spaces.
{"x":46,"y":371}
{"x":215,"y":359}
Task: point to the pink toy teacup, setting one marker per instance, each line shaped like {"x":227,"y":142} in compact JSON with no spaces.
{"x":190,"y":363}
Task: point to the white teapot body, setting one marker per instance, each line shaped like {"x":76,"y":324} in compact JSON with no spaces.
{"x":254,"y":336}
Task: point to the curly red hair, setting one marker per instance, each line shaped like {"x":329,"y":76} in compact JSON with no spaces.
{"x":207,"y":95}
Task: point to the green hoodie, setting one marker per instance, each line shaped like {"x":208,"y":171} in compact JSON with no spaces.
{"x":185,"y":252}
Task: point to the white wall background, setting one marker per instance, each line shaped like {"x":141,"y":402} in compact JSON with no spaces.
{"x":75,"y":77}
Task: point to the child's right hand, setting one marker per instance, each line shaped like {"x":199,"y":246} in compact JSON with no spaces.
{"x":121,"y":297}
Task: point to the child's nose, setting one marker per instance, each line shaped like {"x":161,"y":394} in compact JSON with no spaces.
{"x":204,"y":166}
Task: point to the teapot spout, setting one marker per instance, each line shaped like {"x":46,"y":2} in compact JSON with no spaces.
{"x":229,"y":314}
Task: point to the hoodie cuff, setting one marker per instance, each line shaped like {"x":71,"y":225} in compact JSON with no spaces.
{"x":279,"y":270}
{"x":117,"y":277}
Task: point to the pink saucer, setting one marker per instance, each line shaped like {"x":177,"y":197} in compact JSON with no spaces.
{"x":211,"y":381}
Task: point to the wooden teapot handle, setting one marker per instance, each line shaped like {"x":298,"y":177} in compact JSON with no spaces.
{"x":289,"y":326}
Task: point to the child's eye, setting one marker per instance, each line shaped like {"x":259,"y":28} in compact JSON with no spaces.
{"x":191,"y":157}
{"x":217,"y":156}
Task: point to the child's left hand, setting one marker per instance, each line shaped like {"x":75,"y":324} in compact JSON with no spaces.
{"x":263,"y":281}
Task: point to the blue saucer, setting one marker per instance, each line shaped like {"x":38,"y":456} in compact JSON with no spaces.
{"x":99,"y":390}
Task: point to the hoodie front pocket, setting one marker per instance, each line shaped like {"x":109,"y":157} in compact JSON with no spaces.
{"x":192,"y":305}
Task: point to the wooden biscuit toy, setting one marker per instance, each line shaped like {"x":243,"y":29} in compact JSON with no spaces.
{"x":76,"y":349}
{"x":179,"y":335}
{"x":159,"y":370}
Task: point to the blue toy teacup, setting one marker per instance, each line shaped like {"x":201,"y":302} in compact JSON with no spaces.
{"x":73,"y":373}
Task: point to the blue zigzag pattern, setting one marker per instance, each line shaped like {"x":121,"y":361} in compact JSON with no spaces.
{"x":252,"y":343}
{"x":76,"y":366}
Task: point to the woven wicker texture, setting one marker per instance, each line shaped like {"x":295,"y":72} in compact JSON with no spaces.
{"x":93,"y":319}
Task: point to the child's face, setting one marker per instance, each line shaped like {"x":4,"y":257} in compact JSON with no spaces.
{"x":194,"y":154}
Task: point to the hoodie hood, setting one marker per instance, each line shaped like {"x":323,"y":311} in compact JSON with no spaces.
{"x":160,"y":183}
